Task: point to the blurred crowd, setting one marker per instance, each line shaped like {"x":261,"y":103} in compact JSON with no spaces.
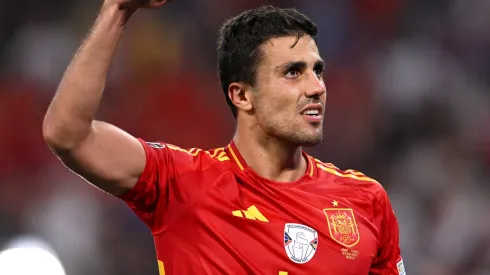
{"x":408,"y":104}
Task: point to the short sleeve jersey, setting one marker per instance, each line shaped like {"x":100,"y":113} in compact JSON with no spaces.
{"x":210,"y":213}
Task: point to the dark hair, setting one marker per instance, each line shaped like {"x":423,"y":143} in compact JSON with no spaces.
{"x":240,"y":39}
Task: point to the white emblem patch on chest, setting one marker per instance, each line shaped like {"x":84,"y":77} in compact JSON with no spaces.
{"x":300,"y":242}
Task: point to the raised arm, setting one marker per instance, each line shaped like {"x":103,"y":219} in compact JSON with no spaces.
{"x":103,"y":154}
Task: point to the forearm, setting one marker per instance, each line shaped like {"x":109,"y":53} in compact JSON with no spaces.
{"x":69,"y":118}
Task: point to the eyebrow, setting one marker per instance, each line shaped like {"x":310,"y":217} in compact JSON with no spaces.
{"x":301,"y":65}
{"x":319,"y":64}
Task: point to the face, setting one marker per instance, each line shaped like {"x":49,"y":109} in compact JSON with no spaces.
{"x":288,"y":98}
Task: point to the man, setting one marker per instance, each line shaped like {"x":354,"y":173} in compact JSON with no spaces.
{"x":258,"y":206}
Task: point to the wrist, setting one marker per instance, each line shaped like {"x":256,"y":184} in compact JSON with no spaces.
{"x":116,"y":13}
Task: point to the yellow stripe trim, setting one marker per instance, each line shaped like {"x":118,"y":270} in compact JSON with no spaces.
{"x":348,"y":171}
{"x":326,"y":164}
{"x":335,"y":172}
{"x":311,"y":165}
{"x":354,"y":172}
{"x":161,"y":268}
{"x":234,"y":157}
{"x":176,"y":148}
{"x":216,"y":151}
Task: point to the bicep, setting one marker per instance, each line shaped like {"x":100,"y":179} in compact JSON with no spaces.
{"x":108,"y":158}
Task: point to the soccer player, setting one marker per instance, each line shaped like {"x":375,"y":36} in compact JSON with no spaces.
{"x":259,"y":205}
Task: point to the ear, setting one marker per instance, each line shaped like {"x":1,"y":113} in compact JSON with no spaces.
{"x":240,"y":94}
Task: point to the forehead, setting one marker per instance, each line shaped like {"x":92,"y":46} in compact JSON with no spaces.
{"x":289,"y":48}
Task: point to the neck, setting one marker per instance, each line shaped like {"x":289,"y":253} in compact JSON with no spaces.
{"x":271,"y":158}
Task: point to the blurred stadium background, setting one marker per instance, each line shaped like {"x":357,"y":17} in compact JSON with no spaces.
{"x":408,"y":104}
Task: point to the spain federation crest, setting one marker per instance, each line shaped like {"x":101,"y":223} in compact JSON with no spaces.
{"x":300,"y":242}
{"x":342,"y":226}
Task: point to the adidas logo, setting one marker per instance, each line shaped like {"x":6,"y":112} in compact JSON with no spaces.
{"x":252,"y":213}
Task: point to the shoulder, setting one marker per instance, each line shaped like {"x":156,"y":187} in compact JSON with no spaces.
{"x":352,"y":179}
{"x":192,"y":159}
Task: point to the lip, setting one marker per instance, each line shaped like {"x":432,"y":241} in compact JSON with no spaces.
{"x":315,"y":106}
{"x":313,"y":119}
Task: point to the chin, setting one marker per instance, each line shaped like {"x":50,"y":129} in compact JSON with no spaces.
{"x":306,"y":139}
{"x":311,"y":142}
{"x":297,"y":134}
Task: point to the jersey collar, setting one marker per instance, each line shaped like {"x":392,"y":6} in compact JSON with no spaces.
{"x":235,"y":155}
{"x":237,"y":158}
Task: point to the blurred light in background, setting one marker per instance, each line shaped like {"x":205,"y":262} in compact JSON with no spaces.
{"x":29,"y":255}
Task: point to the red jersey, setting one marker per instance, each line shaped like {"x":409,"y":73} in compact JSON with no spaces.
{"x":210,"y":213}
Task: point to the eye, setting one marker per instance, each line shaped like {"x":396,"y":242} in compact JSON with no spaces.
{"x":293,"y":72}
{"x":319,"y":72}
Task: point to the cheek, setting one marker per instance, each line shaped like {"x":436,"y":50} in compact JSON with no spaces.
{"x":277,"y":107}
{"x":276,"y":103}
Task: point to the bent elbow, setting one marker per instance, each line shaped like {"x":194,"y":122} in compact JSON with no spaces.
{"x":52,"y":136}
{"x":63,"y":136}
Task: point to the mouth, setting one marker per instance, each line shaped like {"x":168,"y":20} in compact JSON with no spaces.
{"x":313,"y":112}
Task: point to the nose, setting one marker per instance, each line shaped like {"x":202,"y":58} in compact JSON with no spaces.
{"x":315,"y":86}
